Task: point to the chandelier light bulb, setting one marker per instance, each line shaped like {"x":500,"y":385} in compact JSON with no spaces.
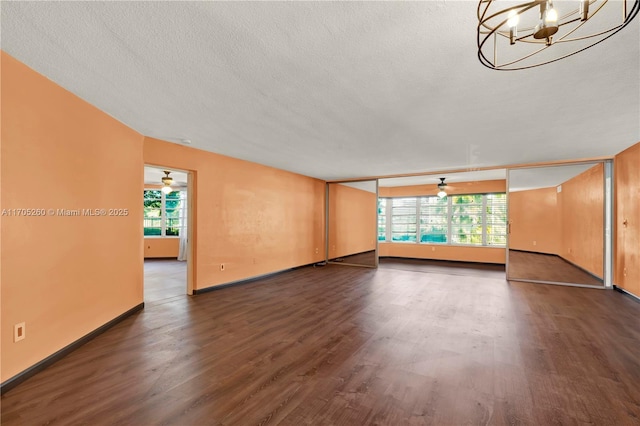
{"x":551,"y":16}
{"x":513,"y":20}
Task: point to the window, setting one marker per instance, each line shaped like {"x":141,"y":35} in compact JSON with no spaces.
{"x":403,"y":219}
{"x":476,"y":220}
{"x":496,"y":222}
{"x":382,"y":219}
{"x":164,"y":214}
{"x":434,"y":219}
{"x":467,"y":220}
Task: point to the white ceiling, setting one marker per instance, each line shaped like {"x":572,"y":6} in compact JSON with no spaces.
{"x":544,"y":177}
{"x":367,"y":185}
{"x":330,"y":89}
{"x":495,"y":174}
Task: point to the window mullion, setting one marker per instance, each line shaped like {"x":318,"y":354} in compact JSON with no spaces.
{"x":484,"y":219}
{"x":418,"y":236}
{"x":387,"y":219}
{"x":449,"y":219}
{"x":163,"y":214}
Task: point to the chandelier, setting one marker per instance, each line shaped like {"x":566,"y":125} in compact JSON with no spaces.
{"x":516,"y":36}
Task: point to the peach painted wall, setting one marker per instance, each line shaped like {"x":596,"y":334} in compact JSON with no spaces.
{"x":479,"y":187}
{"x":161,"y":247}
{"x":64,"y":276}
{"x":439,"y":251}
{"x":535,"y":221}
{"x":352,"y":220}
{"x":581,"y":204}
{"x":253,"y":219}
{"x":627,"y":201}
{"x":443,"y":252}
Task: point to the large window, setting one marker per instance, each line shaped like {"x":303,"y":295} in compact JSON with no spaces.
{"x":164,"y":214}
{"x":467,"y":219}
{"x":382,"y":219}
{"x":403,"y":219}
{"x":434,"y":219}
{"x":496,"y":219}
{"x":476,"y":220}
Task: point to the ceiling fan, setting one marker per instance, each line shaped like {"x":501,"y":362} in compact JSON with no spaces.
{"x":167,"y":181}
{"x":441,"y":188}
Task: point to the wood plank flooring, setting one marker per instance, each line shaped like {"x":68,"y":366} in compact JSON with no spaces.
{"x":485,"y":270}
{"x":367,"y":258}
{"x":547,"y":267}
{"x":339,"y":345}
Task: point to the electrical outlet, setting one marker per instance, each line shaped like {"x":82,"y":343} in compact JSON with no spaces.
{"x":19,"y":332}
{"x":317,"y":250}
{"x":433,"y":248}
{"x":534,"y":243}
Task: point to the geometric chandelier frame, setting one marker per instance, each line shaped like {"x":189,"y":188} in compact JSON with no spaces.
{"x":534,"y":33}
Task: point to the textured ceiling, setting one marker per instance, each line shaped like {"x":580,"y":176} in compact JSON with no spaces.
{"x":330,"y":89}
{"x":476,"y":176}
{"x":544,"y":177}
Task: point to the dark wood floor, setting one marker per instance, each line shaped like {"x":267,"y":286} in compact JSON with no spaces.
{"x":485,"y":270}
{"x":340,"y":345}
{"x":547,"y":267}
{"x":367,"y":258}
{"x":163,"y":279}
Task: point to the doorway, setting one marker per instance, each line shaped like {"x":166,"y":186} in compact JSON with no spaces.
{"x":167,"y":229}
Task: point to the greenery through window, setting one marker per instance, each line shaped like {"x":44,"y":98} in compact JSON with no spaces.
{"x":433,"y":220}
{"x":476,"y":219}
{"x":467,"y":220}
{"x":163,"y":213}
{"x":382,"y":219}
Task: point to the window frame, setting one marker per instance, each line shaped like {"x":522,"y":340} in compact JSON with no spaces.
{"x":163,"y":214}
{"x":450,"y":215}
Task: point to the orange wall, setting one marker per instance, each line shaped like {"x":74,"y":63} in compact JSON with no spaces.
{"x":627,"y":201}
{"x":535,"y":221}
{"x":581,"y":203}
{"x":480,"y":187}
{"x":64,"y":276}
{"x":253,"y":219}
{"x":161,"y":247}
{"x":439,"y":251}
{"x":352,"y":220}
{"x":443,"y":252}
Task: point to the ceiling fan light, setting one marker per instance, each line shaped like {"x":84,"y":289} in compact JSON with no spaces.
{"x":167,"y":189}
{"x":166,"y":179}
{"x":441,"y":187}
